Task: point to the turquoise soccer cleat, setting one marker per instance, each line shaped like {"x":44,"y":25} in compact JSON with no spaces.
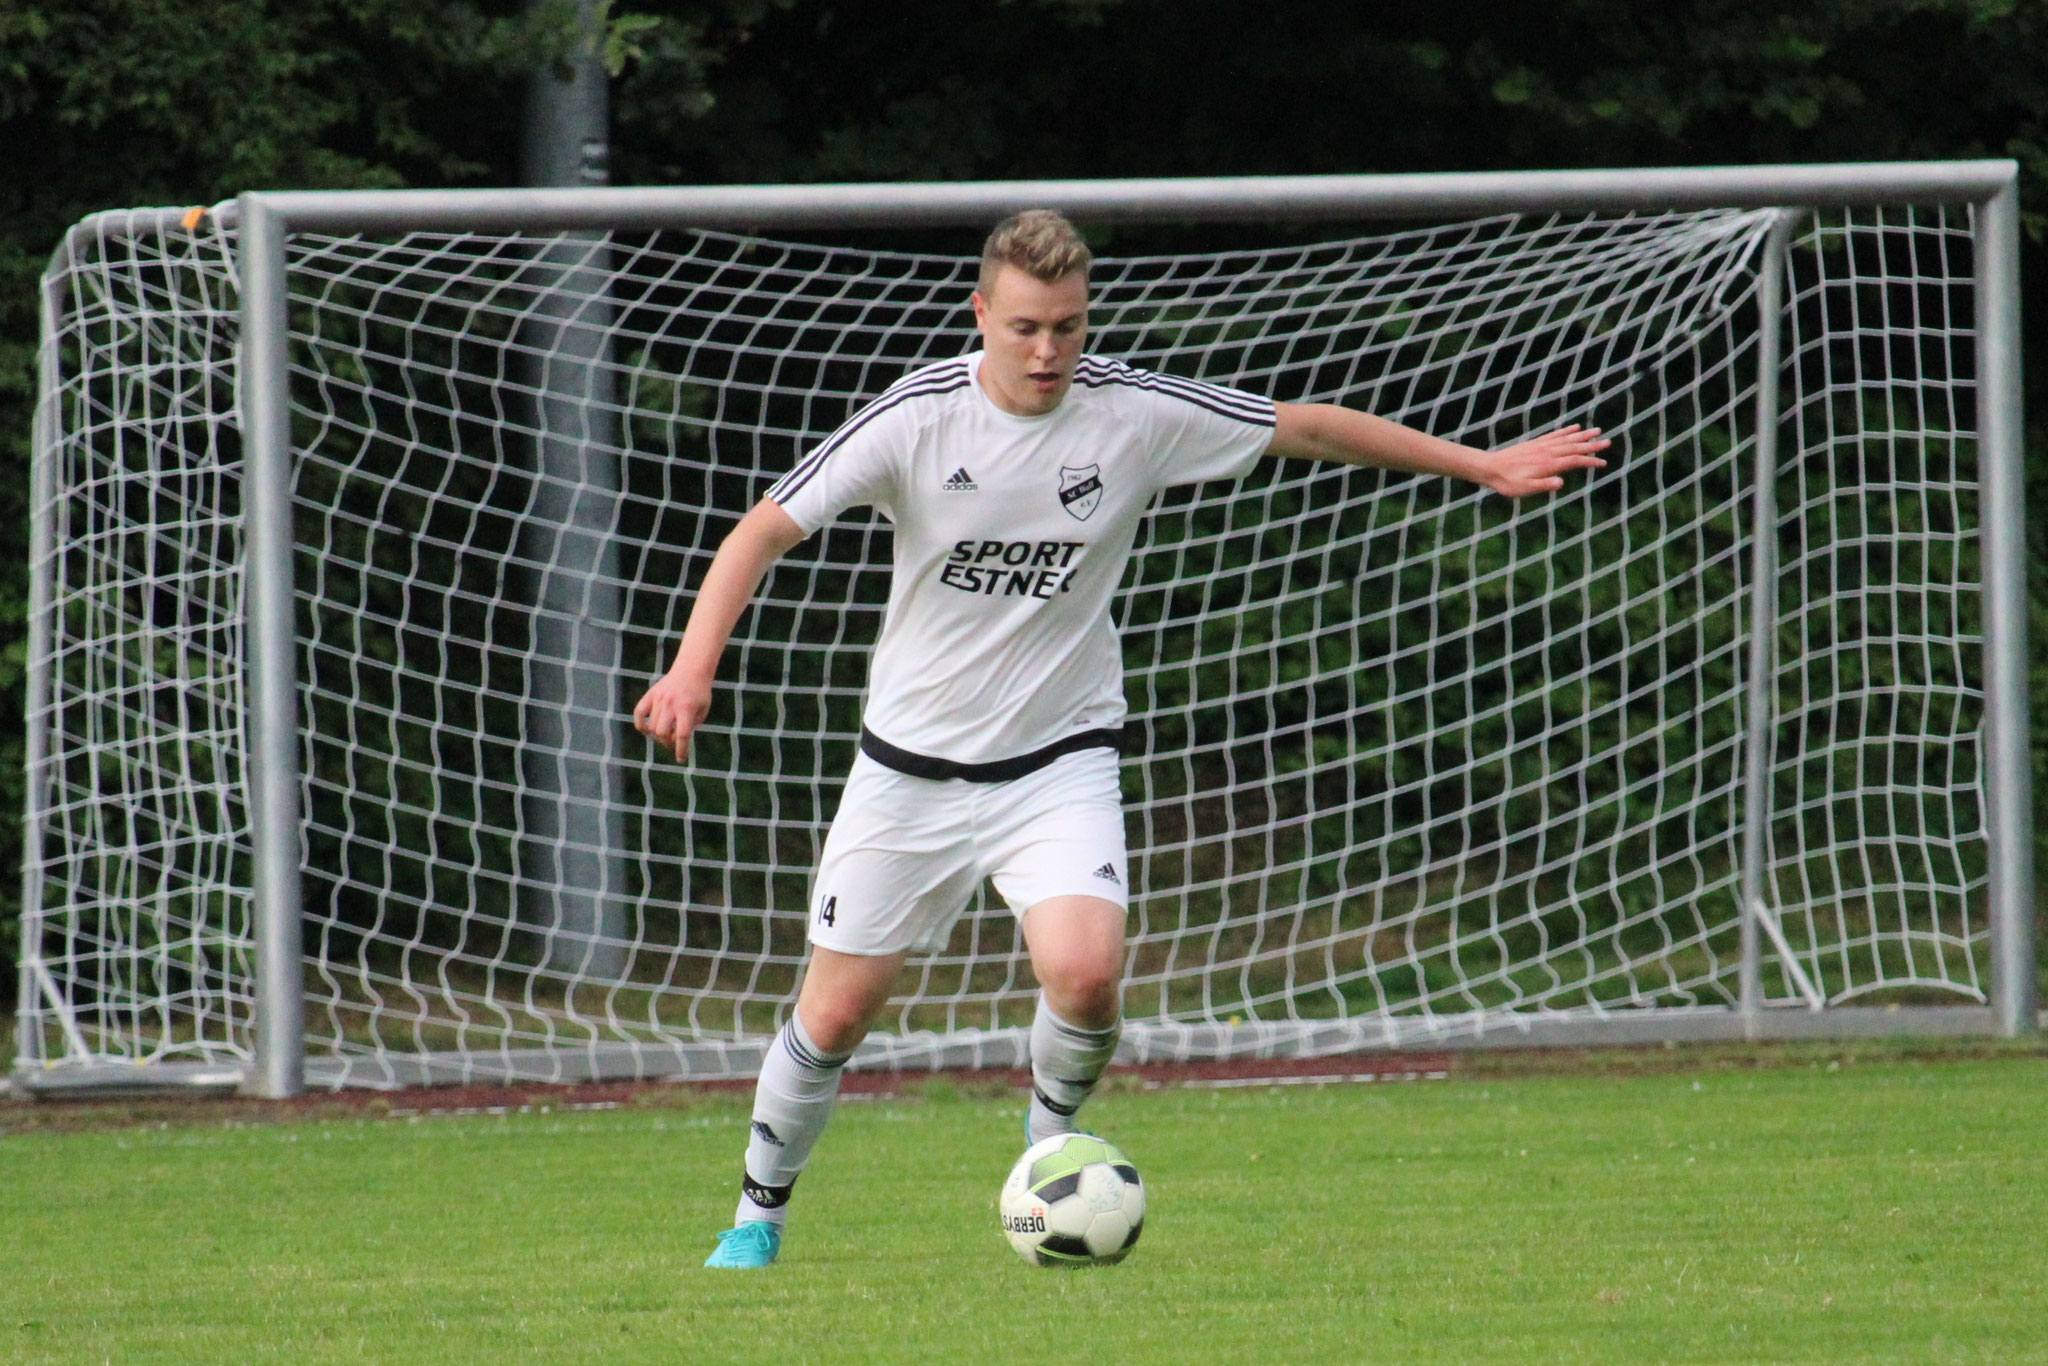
{"x":754,"y":1243}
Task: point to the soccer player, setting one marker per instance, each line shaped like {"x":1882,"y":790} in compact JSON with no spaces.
{"x":1015,"y":477}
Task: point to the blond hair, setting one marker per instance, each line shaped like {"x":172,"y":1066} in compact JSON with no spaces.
{"x":1039,"y":242}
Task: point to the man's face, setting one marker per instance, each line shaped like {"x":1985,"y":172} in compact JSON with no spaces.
{"x":1032,"y":333}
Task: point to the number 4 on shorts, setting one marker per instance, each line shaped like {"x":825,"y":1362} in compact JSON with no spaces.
{"x":829,"y":912}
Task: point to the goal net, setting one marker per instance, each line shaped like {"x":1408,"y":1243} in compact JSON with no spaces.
{"x":1411,"y":762}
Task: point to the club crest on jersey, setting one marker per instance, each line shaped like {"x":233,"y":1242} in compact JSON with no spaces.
{"x":1080,"y":489}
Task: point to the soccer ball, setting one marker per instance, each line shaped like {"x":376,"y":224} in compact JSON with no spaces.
{"x":1073,"y":1200}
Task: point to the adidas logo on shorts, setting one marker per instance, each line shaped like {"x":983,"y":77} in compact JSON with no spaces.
{"x":1108,"y":871}
{"x":960,"y":482}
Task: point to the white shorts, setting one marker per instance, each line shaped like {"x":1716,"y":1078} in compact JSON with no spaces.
{"x":905,"y":855}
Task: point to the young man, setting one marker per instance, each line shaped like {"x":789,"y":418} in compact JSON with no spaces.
{"x":1015,"y":477}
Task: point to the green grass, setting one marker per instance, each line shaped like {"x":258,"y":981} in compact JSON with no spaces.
{"x":1887,"y":1212}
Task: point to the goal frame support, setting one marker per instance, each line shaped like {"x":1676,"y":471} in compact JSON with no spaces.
{"x":267,"y":219}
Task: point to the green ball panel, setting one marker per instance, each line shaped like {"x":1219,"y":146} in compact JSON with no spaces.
{"x":1050,"y":1167}
{"x":1086,"y":1148}
{"x":1077,"y":1152}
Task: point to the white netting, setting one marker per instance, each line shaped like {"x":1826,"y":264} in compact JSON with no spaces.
{"x":1409,"y":756}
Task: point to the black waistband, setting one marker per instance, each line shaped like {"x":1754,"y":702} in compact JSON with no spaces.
{"x":1000,"y":771}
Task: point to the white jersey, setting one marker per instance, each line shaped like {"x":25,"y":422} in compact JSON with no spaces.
{"x":1011,"y":536}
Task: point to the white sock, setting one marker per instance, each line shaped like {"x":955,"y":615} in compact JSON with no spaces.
{"x":792,"y":1100}
{"x":1066,"y":1062}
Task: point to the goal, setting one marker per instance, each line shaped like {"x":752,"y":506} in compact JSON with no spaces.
{"x":362,"y":519}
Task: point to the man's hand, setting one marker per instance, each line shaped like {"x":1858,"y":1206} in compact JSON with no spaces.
{"x":1538,"y":465}
{"x":673,"y":708}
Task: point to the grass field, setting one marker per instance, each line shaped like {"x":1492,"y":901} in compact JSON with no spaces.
{"x":1808,"y":1213}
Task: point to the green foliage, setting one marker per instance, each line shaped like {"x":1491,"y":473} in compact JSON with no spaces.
{"x":117,"y":103}
{"x":1157,"y":87}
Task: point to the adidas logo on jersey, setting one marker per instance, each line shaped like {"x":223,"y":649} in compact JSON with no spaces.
{"x":1108,"y":872}
{"x":960,"y":482}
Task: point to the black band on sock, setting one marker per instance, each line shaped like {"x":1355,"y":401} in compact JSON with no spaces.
{"x":1095,"y":1037}
{"x":1063,"y":1111}
{"x":809,"y":1057}
{"x":767,"y":1197}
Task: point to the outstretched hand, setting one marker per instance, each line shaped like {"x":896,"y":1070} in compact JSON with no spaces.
{"x":1538,"y":465}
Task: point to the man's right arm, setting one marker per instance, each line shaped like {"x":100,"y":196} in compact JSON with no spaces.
{"x":679,"y":701}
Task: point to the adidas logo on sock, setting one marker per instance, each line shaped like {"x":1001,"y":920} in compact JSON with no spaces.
{"x":1108,"y":871}
{"x":960,"y":482}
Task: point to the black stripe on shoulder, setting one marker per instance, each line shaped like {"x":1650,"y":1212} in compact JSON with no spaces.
{"x":923,"y":384}
{"x":1215,"y":398}
{"x":954,"y":368}
{"x":1114,"y":372}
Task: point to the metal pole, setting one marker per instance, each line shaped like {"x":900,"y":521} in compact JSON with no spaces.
{"x":1215,"y":199}
{"x":567,"y":136}
{"x":571,"y":876}
{"x":272,"y":654}
{"x":1760,"y":691}
{"x":42,"y":555}
{"x":2001,"y":453}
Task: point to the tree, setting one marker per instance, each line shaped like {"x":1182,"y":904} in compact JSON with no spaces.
{"x":119,"y":103}
{"x":109,"y":103}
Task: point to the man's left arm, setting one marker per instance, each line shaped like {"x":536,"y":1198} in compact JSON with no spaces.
{"x":1326,"y":431}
